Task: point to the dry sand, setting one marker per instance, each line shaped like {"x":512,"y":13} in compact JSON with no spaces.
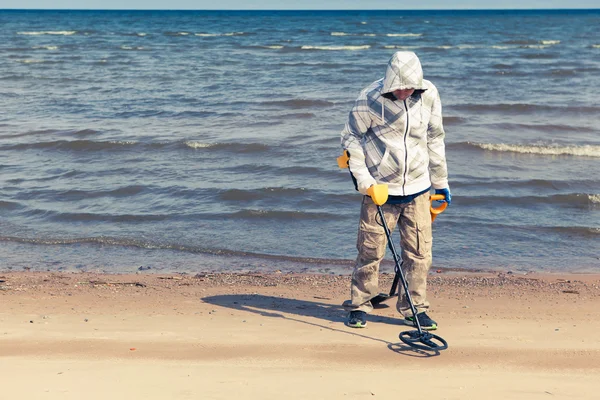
{"x":256,"y":336}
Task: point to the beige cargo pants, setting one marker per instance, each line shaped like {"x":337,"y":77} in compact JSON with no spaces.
{"x":414,"y":220}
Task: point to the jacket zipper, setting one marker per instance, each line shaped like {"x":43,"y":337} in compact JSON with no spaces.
{"x":405,"y":150}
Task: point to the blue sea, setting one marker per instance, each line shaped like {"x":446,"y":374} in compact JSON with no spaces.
{"x":194,"y":141}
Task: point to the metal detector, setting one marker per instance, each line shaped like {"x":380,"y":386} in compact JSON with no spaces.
{"x":418,"y":339}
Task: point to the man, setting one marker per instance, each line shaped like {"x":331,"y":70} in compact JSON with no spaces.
{"x":394,"y":136}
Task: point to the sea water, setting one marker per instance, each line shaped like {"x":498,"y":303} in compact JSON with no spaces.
{"x":206,"y":141}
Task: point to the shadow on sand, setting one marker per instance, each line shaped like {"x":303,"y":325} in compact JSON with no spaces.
{"x":285,"y":308}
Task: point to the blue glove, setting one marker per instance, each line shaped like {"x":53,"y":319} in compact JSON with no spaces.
{"x":446,"y":193}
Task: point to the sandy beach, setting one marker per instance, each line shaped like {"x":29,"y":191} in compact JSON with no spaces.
{"x":257,"y":336}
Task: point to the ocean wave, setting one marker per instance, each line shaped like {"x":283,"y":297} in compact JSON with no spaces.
{"x":524,"y":108}
{"x":136,"y":34}
{"x":325,"y":174}
{"x":283,"y":215}
{"x":298,"y":103}
{"x":404,"y":34}
{"x":520,"y":41}
{"x":136,"y":243}
{"x":75,"y":194}
{"x":78,"y":194}
{"x":272,"y":47}
{"x":74,"y":145}
{"x":451,"y":120}
{"x":259,"y":194}
{"x":100,"y":217}
{"x":596,"y":46}
{"x":375,"y":34}
{"x":549,"y":42}
{"x":534,"y":46}
{"x":353,"y":34}
{"x":297,"y":116}
{"x":45,"y":47}
{"x":548,"y":149}
{"x":30,"y":61}
{"x":46,"y":132}
{"x":472,"y":182}
{"x":232,"y":147}
{"x":9,"y":205}
{"x":63,"y":33}
{"x":401,"y":47}
{"x":220,"y":34}
{"x":510,"y":126}
{"x":432,"y":48}
{"x":324,"y":65}
{"x":336,"y":48}
{"x":576,"y":200}
{"x":124,"y":47}
{"x":584,"y":231}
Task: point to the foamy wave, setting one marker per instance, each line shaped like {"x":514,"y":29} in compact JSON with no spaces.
{"x":122,"y":142}
{"x":198,"y":145}
{"x":65,"y":33}
{"x":142,"y":34}
{"x":535,"y":46}
{"x":275,"y":47}
{"x":46,"y":47}
{"x":594,"y":198}
{"x":596,"y":46}
{"x":365,"y":47}
{"x":352,"y":34}
{"x":132,"y":47}
{"x":220,"y":34}
{"x":502,"y":47}
{"x":549,"y":42}
{"x":404,"y":34}
{"x":555,"y":150}
{"x":30,"y":61}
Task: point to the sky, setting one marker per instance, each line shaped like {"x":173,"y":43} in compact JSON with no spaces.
{"x":294,"y":5}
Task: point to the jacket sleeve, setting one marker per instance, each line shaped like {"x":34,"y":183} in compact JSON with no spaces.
{"x":438,"y":170}
{"x":359,"y":122}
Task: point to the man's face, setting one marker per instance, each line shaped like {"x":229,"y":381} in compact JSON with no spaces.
{"x":403,"y":94}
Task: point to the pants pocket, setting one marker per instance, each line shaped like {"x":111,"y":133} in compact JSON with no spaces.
{"x":424,"y":239}
{"x":370,"y":245}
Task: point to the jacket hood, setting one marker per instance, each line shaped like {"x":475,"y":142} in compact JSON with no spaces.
{"x":403,"y":72}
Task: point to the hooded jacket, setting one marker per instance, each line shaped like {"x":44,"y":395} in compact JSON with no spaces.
{"x":398,"y":143}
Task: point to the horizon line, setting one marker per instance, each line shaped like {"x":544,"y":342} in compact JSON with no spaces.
{"x":300,"y":9}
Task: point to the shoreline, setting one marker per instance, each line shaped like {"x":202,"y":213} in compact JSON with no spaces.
{"x":220,"y":336}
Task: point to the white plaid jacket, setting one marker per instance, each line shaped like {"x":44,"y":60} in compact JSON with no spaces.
{"x":399,"y":143}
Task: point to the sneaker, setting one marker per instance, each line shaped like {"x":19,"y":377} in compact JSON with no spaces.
{"x":426,"y":323}
{"x":357,"y":319}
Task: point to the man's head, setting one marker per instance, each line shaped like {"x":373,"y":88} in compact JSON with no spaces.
{"x":404,"y":75}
